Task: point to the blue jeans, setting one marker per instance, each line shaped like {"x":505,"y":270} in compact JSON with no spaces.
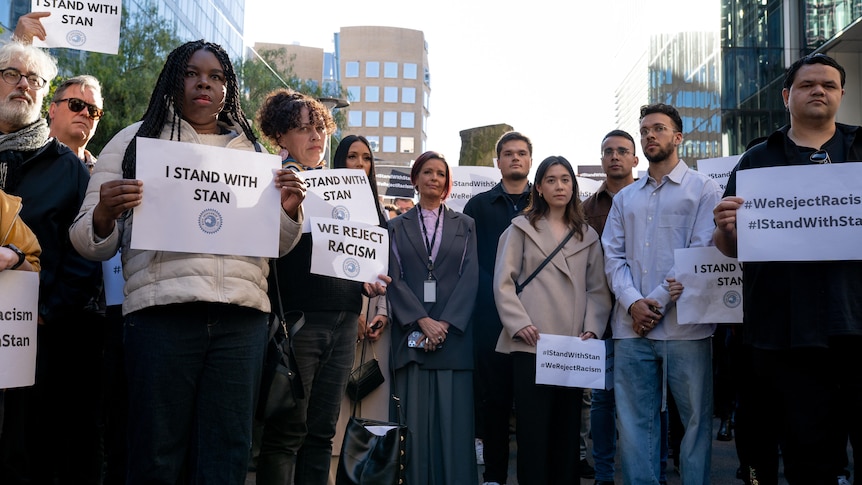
{"x":193,"y":372}
{"x":297,"y":447}
{"x":643,"y":370}
{"x":603,"y":427}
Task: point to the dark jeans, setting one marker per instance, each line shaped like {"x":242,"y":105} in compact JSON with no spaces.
{"x":493,"y":390}
{"x":297,"y":447}
{"x":193,"y":373}
{"x":548,"y":426}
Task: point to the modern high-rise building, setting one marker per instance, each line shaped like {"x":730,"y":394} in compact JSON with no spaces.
{"x":761,"y":38}
{"x":219,"y":21}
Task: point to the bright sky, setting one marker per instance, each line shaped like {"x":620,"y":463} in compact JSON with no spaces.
{"x":547,"y":68}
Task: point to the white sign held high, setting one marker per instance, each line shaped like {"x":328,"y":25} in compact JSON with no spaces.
{"x":80,"y":24}
{"x":340,"y":193}
{"x":350,"y":250}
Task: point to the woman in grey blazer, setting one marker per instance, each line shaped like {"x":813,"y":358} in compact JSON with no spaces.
{"x":434,"y":269}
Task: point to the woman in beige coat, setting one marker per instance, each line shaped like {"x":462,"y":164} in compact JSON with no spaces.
{"x":569,"y":296}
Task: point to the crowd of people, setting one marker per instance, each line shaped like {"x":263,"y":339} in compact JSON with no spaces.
{"x":161,"y":387}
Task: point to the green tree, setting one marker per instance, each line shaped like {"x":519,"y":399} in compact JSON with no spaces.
{"x":129,"y":77}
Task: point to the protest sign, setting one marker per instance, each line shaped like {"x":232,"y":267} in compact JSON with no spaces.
{"x":800,"y":213}
{"x":349,"y":249}
{"x":205,"y":199}
{"x":571,"y":362}
{"x":394,"y":181}
{"x":19,"y":313}
{"x":718,"y":169}
{"x":587,"y":187}
{"x":341,"y":193}
{"x":112,"y":277}
{"x":712,"y":285}
{"x":468,"y":181}
{"x":84,"y":25}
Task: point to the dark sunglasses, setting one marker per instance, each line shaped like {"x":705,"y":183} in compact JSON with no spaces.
{"x":76,"y":105}
{"x":820,"y":156}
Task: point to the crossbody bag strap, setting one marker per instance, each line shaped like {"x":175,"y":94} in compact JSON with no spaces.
{"x":297,"y":319}
{"x":520,"y":287}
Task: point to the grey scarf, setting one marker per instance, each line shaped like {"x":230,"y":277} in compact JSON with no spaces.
{"x":14,"y":145}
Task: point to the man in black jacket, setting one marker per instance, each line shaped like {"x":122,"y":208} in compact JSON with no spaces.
{"x":50,"y":429}
{"x":493,"y":212}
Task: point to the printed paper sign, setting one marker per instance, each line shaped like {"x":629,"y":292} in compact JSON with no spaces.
{"x":587,"y":187}
{"x":19,"y":313}
{"x":712,"y":286}
{"x":112,"y":277}
{"x":800,"y":213}
{"x":86,"y":25}
{"x":394,"y":181}
{"x":341,"y":193}
{"x":468,"y":181}
{"x":348,"y":249}
{"x":205,"y":199}
{"x":571,"y":362}
{"x":718,"y":169}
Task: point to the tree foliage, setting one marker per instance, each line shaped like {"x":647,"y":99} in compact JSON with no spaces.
{"x":129,"y":77}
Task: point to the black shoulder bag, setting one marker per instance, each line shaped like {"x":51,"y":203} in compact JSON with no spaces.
{"x":519,"y":287}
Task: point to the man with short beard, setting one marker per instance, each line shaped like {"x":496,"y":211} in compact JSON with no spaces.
{"x":654,"y":355}
{"x":41,"y":439}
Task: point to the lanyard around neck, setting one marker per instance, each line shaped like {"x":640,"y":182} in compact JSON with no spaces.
{"x":430,"y":244}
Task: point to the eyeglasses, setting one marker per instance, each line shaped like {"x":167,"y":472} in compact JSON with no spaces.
{"x":820,"y":156}
{"x":658,"y":129}
{"x":609,"y":152}
{"x":13,"y":76}
{"x":76,"y":105}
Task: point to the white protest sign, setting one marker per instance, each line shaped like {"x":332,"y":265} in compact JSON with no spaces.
{"x":19,"y":313}
{"x":80,"y":24}
{"x":339,"y":193}
{"x":712,"y":286}
{"x":205,"y":199}
{"x":587,"y":187}
{"x":349,"y":249}
{"x":468,"y":181}
{"x":571,"y":362}
{"x":718,"y":169}
{"x":112,"y":277}
{"x":800,"y":213}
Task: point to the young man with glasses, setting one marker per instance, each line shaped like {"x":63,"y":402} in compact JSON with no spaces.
{"x":654,"y":356}
{"x":802,"y":320}
{"x":42,"y":440}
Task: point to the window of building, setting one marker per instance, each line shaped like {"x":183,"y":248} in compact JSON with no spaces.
{"x":372,"y":94}
{"x":354,"y":93}
{"x":390,"y":119}
{"x":372,"y":69}
{"x":408,"y":119}
{"x":409,"y":70}
{"x":372,"y":118}
{"x":351,"y":69}
{"x":408,"y":95}
{"x":390,"y":94}
{"x":354,"y":118}
{"x":374,"y":141}
{"x":407,"y":144}
{"x":389,"y":143}
{"x":390,"y":70}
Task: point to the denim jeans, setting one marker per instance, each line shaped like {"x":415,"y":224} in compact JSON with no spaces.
{"x":603,"y":427}
{"x":643,"y":370}
{"x":193,"y":371}
{"x":300,"y":443}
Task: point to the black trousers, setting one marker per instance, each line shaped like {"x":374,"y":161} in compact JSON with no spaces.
{"x":493,"y":391}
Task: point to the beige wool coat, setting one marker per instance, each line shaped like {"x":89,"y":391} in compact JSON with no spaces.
{"x":568,"y":296}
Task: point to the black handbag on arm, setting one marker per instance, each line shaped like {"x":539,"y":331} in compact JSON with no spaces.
{"x":280,"y":383}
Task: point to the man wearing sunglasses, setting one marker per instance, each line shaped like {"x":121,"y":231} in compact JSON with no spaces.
{"x":802,"y":320}
{"x":42,"y":440}
{"x":74,"y":115}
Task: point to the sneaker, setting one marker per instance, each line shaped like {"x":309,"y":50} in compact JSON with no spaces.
{"x":842,"y":480}
{"x":586,"y":470}
{"x":480,"y":454}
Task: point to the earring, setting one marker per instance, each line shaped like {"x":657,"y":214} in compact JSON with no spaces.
{"x":541,"y":195}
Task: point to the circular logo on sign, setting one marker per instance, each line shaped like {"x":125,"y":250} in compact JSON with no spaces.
{"x":732,"y":299}
{"x":351,"y":267}
{"x":341,"y":213}
{"x":210,"y":221}
{"x":76,"y":38}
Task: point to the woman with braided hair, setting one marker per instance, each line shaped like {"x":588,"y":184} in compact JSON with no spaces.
{"x":195,"y":324}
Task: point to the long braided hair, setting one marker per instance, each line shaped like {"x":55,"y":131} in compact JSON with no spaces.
{"x":167,"y":99}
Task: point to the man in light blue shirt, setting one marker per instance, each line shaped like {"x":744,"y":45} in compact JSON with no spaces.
{"x":670,"y":208}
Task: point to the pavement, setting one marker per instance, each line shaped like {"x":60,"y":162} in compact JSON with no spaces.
{"x":723,"y":472}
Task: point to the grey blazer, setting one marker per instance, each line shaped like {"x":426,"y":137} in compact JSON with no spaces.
{"x":456,"y":270}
